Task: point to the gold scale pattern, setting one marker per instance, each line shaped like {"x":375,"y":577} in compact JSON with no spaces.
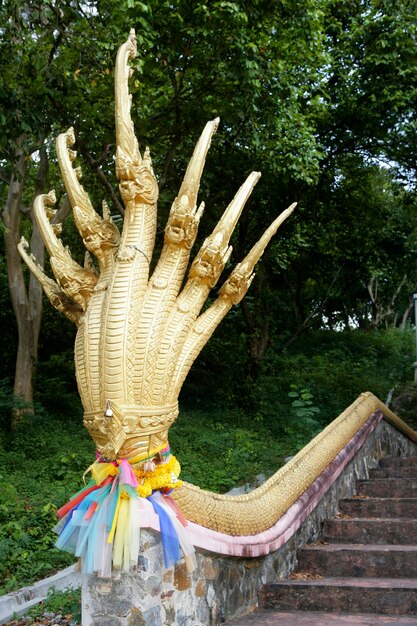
{"x":260,"y":509}
{"x":139,"y":334}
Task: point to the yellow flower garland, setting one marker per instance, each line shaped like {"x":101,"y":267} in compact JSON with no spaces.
{"x":164,"y":476}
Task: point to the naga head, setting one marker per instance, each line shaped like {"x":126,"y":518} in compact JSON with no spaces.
{"x":139,"y":332}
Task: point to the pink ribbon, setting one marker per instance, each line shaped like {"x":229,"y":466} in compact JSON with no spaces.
{"x":127,"y":477}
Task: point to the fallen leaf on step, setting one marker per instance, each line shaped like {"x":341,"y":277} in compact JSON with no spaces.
{"x":304,"y":576}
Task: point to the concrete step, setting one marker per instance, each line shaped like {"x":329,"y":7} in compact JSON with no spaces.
{"x":319,"y":618}
{"x":402,"y":461}
{"x":365,"y":570}
{"x":396,"y":471}
{"x":347,"y":560}
{"x":371,"y":530}
{"x":393,"y":487}
{"x":384,"y":596}
{"x":379,"y":507}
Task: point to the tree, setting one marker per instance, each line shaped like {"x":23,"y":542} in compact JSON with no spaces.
{"x":31,"y":35}
{"x":356,"y":227}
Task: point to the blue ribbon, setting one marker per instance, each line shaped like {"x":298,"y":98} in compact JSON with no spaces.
{"x":169,"y":537}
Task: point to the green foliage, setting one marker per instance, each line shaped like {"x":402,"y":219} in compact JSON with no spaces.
{"x":220,"y":449}
{"x":42,"y":468}
{"x":7,"y":324}
{"x":26,"y":541}
{"x":301,"y":424}
{"x":303,"y":403}
{"x":404,"y":402}
{"x":55,"y":380}
{"x":64,"y":602}
{"x":6,"y":402}
{"x":335,"y":367}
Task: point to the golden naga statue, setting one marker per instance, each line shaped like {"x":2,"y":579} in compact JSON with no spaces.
{"x":138,"y":335}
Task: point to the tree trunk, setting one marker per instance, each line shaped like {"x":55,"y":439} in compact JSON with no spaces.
{"x":406,"y":314}
{"x":37,"y":247}
{"x":23,"y":388}
{"x":27,"y":299}
{"x":258,"y":327}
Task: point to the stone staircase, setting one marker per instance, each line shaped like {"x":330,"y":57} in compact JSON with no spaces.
{"x":364,"y":570}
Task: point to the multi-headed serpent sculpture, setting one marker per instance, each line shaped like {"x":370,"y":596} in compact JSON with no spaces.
{"x":138,"y":334}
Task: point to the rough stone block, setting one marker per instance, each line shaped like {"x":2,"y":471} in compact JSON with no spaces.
{"x":182,"y":579}
{"x":136,"y":618}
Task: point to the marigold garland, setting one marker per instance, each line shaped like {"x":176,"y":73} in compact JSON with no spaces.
{"x":163,"y":477}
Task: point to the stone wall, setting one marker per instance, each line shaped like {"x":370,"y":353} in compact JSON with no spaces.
{"x":220,"y":588}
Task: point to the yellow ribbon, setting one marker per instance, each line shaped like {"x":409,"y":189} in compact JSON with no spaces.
{"x":100,"y":471}
{"x":115,"y":517}
{"x":120,"y":546}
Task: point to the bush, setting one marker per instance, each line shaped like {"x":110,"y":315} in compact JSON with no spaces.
{"x":67,"y":603}
{"x":220,"y":449}
{"x":335,"y":368}
{"x":42,"y":467}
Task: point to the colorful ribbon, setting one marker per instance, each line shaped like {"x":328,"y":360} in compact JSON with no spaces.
{"x":101,"y":523}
